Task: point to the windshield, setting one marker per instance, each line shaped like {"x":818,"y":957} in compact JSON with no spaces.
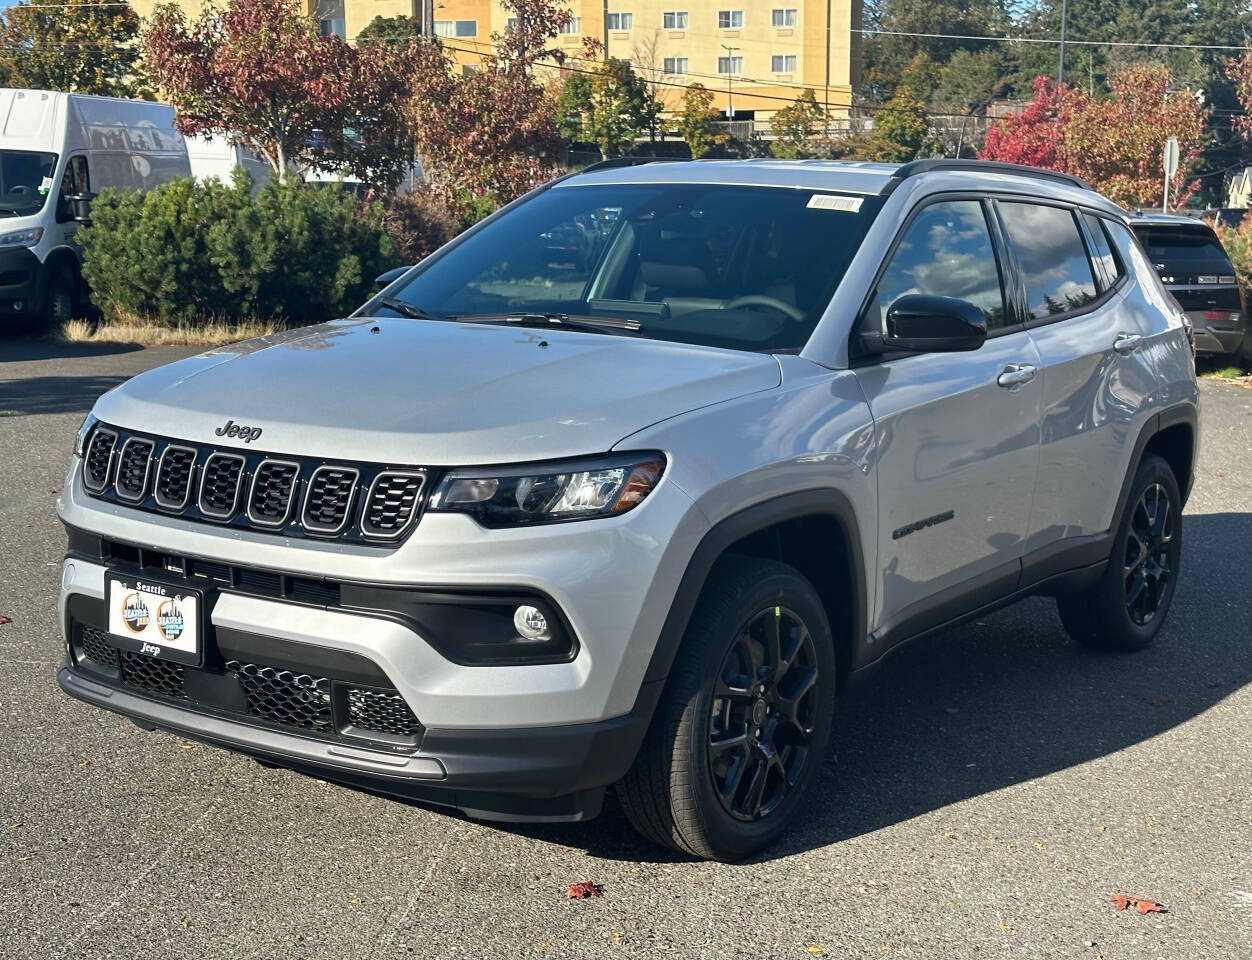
{"x":25,"y":181}
{"x":749,"y":268}
{"x":1164,"y":245}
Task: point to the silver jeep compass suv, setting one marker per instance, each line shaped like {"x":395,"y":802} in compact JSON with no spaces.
{"x":622,"y":485}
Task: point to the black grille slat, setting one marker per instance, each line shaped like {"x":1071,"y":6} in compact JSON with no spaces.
{"x":172,"y":489}
{"x":329,"y":499}
{"x":392,"y":504}
{"x":286,"y":697}
{"x":219,"y":485}
{"x":99,"y":459}
{"x":132,"y":469}
{"x":273,"y":489}
{"x":93,"y":645}
{"x":155,"y":676}
{"x":382,"y":712}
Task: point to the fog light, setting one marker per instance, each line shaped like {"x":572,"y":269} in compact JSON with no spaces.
{"x":530,"y":623}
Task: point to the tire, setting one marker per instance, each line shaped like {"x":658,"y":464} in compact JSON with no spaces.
{"x":1145,"y":558}
{"x":669,"y":794}
{"x":59,"y":305}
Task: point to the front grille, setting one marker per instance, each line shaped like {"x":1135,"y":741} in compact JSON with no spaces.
{"x":93,"y":645}
{"x":219,"y":485}
{"x":292,"y":699}
{"x":155,"y":676}
{"x":391,"y":504}
{"x":364,"y":503}
{"x":132,"y":469}
{"x":173,"y":481}
{"x":272,"y":494}
{"x":99,"y":460}
{"x":382,"y":712}
{"x":329,"y":499}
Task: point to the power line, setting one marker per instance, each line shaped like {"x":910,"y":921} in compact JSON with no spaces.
{"x":1079,"y":43}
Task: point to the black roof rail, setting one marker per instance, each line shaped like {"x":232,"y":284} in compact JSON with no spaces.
{"x":917,"y":167}
{"x":613,"y":163}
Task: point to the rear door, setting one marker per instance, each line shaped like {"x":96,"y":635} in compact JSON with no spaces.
{"x":957,"y":433}
{"x":1098,"y":381}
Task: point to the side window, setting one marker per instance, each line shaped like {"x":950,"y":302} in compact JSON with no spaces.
{"x":946,"y":252}
{"x":1107,"y":270}
{"x":1052,"y":257}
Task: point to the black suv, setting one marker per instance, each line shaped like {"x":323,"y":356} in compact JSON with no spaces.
{"x":1196,"y":270}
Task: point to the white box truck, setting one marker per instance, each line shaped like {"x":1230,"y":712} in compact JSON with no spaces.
{"x":57,"y":150}
{"x":218,"y":157}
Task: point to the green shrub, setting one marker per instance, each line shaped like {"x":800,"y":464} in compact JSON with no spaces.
{"x":187,"y":251}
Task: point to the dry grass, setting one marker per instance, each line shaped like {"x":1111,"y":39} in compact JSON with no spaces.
{"x":211,"y":333}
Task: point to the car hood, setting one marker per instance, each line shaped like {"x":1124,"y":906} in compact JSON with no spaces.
{"x":432,"y":393}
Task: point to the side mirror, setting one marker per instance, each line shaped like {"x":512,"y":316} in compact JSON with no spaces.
{"x":384,"y":279}
{"x":922,"y":323}
{"x":78,"y":207}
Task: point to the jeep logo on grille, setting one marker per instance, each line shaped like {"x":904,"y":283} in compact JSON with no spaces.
{"x":232,"y":429}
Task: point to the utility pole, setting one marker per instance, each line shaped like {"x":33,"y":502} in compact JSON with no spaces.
{"x":1060,"y":70}
{"x":826,"y":111}
{"x":604,"y":19}
{"x":730,"y":79}
{"x":428,"y":18}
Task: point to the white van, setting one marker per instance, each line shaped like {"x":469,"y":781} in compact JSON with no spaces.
{"x":56,"y":151}
{"x":217,"y":157}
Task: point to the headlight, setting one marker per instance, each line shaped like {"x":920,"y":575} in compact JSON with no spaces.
{"x":550,"y":493}
{"x":22,"y":238}
{"x":80,"y":440}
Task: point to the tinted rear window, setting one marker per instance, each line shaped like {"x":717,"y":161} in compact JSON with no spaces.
{"x":1052,"y":257}
{"x":1165,"y":245}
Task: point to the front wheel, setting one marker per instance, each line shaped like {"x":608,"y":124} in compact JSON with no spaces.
{"x":1125,"y":608}
{"x":745,"y":720}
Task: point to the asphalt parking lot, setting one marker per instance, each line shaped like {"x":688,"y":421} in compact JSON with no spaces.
{"x":985,"y":795}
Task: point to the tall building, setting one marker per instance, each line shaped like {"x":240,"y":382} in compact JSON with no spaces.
{"x":755,"y":56}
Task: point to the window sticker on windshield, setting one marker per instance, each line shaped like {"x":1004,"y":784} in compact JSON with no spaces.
{"x":45,"y":186}
{"x":824,"y":201}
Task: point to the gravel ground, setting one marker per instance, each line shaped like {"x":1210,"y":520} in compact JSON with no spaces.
{"x":985,"y":795}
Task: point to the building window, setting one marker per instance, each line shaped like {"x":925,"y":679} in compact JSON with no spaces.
{"x":620,"y":21}
{"x":575,"y":25}
{"x":729,"y":19}
{"x":782,"y":17}
{"x":445,"y":28}
{"x":511,"y":25}
{"x":332,"y":22}
{"x":674,"y":65}
{"x":730,"y":65}
{"x":674,"y":20}
{"x":467,"y":28}
{"x":783,"y":63}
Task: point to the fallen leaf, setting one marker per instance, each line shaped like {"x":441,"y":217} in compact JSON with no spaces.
{"x":1122,"y":901}
{"x":85,"y":763}
{"x":4,"y":620}
{"x":355,"y":901}
{"x":618,"y":939}
{"x":584,"y":890}
{"x":816,"y":950}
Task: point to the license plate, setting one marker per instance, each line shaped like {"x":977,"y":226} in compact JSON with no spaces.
{"x":158,"y":619}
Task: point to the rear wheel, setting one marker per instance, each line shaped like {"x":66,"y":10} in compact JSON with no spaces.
{"x":1126,"y":607}
{"x":745,"y":720}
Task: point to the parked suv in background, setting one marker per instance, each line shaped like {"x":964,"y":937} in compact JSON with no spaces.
{"x":1196,"y":270}
{"x":624,"y":484}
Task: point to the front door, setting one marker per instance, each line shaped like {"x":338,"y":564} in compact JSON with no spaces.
{"x":957,"y":433}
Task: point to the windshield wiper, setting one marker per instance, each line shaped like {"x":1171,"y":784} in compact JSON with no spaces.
{"x":573,"y":321}
{"x":408,"y":310}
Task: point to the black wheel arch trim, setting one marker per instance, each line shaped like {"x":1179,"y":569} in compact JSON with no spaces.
{"x":730,"y":530}
{"x":1172,"y":416}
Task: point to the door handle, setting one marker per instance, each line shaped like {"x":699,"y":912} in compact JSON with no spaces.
{"x":1127,"y":342}
{"x":1016,"y":374}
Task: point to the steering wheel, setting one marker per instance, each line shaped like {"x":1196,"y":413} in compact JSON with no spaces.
{"x":760,"y":300}
{"x":21,"y":188}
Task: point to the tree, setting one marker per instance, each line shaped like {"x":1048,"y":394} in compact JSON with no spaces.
{"x":793,"y":126}
{"x":696,"y":121}
{"x":1034,"y":136}
{"x":901,"y":126}
{"x":75,"y":45}
{"x":391,"y":32}
{"x":609,"y":106}
{"x":573,"y":106}
{"x":259,"y":73}
{"x":490,"y":136}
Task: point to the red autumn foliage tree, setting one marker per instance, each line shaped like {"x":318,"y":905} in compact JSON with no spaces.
{"x":259,"y":73}
{"x":492,"y":134}
{"x":1114,"y":142}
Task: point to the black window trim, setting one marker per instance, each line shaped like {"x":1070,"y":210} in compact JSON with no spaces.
{"x":1123,"y":271}
{"x":1074,"y":209}
{"x":1005,"y":267}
